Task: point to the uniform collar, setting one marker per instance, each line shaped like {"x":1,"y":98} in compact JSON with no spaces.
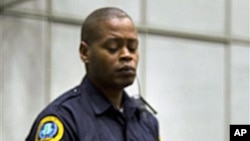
{"x":130,"y":106}
{"x":100,"y":103}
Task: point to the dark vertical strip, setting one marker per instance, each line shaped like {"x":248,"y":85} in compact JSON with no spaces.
{"x":47,"y":59}
{"x":227,"y":69}
{"x":143,"y":45}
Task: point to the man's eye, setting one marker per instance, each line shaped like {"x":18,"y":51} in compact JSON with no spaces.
{"x":112,"y":50}
{"x":132,"y":45}
{"x":113,"y":47}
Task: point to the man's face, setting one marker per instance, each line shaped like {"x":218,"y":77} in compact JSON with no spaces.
{"x":113,"y":58}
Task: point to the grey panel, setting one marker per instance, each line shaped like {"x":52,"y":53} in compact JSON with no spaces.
{"x":81,"y":8}
{"x":23,"y":75}
{"x":200,"y":16}
{"x":38,"y":5}
{"x":185,"y":83}
{"x":67,"y":69}
{"x":240,"y":84}
{"x":240,"y":18}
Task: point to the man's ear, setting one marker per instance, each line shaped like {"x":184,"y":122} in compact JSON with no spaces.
{"x":84,"y":52}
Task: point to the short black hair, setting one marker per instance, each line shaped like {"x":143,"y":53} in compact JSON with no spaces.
{"x":90,"y":31}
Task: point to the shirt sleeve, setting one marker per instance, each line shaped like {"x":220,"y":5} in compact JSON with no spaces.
{"x":152,"y":123}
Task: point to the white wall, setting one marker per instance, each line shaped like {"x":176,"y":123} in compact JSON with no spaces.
{"x":198,"y":86}
{"x":22,"y":68}
{"x":185,"y":82}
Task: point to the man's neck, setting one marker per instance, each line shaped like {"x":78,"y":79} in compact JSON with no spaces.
{"x":112,"y":94}
{"x":115,"y":97}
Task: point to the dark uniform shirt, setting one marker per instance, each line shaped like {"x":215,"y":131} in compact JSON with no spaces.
{"x":84,"y":114}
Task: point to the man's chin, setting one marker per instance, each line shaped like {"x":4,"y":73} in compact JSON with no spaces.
{"x":127,"y":82}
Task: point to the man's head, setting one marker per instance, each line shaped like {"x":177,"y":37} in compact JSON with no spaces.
{"x":109,"y":48}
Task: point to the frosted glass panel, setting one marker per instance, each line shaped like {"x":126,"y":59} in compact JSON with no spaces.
{"x":240,"y":18}
{"x":185,"y":83}
{"x":67,"y":69}
{"x":23,"y":75}
{"x":196,"y":15}
{"x":240,"y":84}
{"x":81,"y":8}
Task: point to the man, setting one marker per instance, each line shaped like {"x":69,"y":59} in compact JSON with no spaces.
{"x":99,"y":109}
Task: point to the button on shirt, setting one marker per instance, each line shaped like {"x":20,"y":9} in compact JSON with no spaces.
{"x":84,"y":114}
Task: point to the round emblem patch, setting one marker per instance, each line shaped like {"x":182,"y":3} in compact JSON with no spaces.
{"x":50,"y":128}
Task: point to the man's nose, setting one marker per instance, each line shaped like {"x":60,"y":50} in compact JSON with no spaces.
{"x":125,"y":54}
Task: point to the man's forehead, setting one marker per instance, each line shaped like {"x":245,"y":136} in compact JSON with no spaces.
{"x":117,"y":23}
{"x":116,"y":27}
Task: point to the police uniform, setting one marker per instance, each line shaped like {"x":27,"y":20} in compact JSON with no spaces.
{"x":84,"y":114}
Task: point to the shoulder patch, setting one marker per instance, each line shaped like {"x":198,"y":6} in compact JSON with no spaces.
{"x":50,"y":128}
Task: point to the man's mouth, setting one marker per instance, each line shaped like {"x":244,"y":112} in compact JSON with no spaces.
{"x":127,"y":71}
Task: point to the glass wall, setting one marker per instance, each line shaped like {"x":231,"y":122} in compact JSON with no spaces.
{"x":194,"y":61}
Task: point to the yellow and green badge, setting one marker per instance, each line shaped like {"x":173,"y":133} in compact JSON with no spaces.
{"x":50,"y":128}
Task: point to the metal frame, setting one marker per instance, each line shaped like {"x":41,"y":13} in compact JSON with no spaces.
{"x":227,"y":70}
{"x":226,"y":39}
{"x":47,"y":58}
